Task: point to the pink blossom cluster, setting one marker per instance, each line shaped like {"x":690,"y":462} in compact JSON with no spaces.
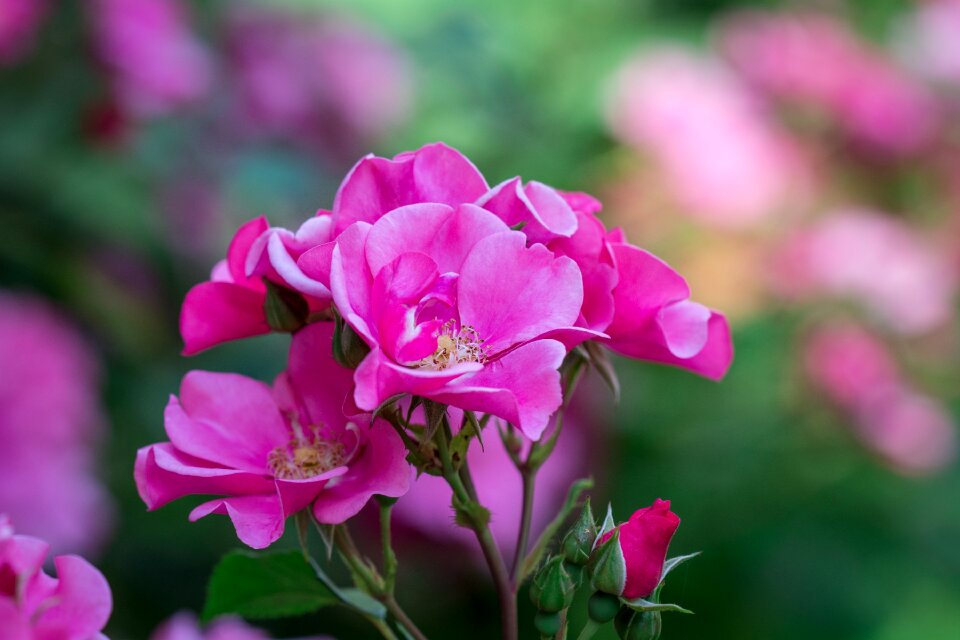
{"x":184,"y":626}
{"x":456,"y":292}
{"x":35,"y":606}
{"x":855,"y":369}
{"x":50,"y":422}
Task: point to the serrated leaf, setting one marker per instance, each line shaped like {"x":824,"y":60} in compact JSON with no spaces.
{"x":272,"y":585}
{"x":671,"y":563}
{"x":639,"y":604}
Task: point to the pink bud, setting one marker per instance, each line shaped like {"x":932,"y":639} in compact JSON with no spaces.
{"x":644,"y":539}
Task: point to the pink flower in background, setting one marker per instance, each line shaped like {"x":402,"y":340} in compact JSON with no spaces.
{"x":50,"y":423}
{"x":35,"y":606}
{"x":724,"y":159}
{"x":929,"y":40}
{"x":456,"y":308}
{"x":231,"y":304}
{"x":877,"y":260}
{"x":313,"y":76}
{"x":426,"y":507}
{"x":273,"y":452}
{"x":156,"y":63}
{"x":856,"y":371}
{"x":815,"y":60}
{"x":184,"y":626}
{"x":19,"y":21}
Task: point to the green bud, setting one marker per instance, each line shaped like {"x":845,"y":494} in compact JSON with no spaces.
{"x":603,"y":607}
{"x":608,"y":569}
{"x":349,"y":349}
{"x":548,"y":624}
{"x":285,"y":309}
{"x":578,"y":541}
{"x":575,"y":571}
{"x":552,"y":588}
{"x":637,"y":625}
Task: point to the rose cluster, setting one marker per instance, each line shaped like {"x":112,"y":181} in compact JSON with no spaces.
{"x":421,"y":282}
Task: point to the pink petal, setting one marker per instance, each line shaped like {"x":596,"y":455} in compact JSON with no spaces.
{"x":215,"y":312}
{"x":510,"y":293}
{"x":83,"y":603}
{"x":320,"y":383}
{"x":522,"y":388}
{"x":163,"y":474}
{"x":228,"y":419}
{"x":542,"y":210}
{"x":433,"y":173}
{"x":258,"y":520}
{"x":378,"y":378}
{"x":240,"y":246}
{"x":315,"y":262}
{"x":350,"y":279}
{"x":296,"y":495}
{"x":382,"y":469}
{"x":684,"y":326}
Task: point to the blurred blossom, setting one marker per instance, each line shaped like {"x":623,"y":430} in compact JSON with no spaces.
{"x":156,"y":61}
{"x":50,"y":421}
{"x":19,"y":21}
{"x":315,"y":77}
{"x":855,"y":370}
{"x":724,"y":158}
{"x":929,"y":40}
{"x":816,"y":61}
{"x":875,"y":259}
{"x":426,"y":507}
{"x":184,"y":626}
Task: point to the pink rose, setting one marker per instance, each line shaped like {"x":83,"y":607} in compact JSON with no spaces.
{"x":644,"y":540}
{"x":231,"y":304}
{"x":73,"y":606}
{"x":272,"y":452}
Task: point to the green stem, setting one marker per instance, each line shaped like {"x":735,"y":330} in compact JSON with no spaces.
{"x":389,"y":555}
{"x":528,"y":475}
{"x":588,"y":630}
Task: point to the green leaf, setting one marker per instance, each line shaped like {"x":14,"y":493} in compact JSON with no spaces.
{"x":271,"y":585}
{"x":639,"y":604}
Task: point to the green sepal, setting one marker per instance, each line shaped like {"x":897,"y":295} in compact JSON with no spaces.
{"x":553,"y":588}
{"x":349,"y":349}
{"x":577,"y":544}
{"x":285,"y":309}
{"x":608,"y":525}
{"x":639,"y":604}
{"x":672,"y":563}
{"x":599,"y":358}
{"x":638,"y":625}
{"x":608,"y":567}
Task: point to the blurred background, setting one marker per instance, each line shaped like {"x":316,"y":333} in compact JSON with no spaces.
{"x":798,"y":161}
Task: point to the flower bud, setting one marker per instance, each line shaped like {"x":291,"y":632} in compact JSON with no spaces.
{"x":603,"y":607}
{"x":285,"y":309}
{"x":640,"y":549}
{"x":578,"y":542}
{"x":349,"y":349}
{"x":553,"y":588}
{"x":637,"y":625}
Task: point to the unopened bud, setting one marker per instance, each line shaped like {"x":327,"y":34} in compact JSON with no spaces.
{"x":349,"y":349}
{"x":638,"y":625}
{"x":553,"y":588}
{"x":285,"y":309}
{"x":578,"y":542}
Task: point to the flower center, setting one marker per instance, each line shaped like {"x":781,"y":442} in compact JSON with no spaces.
{"x":455,"y":347}
{"x":306,"y":456}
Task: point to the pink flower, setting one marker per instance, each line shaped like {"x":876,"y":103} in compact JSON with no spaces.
{"x":157,"y":64}
{"x":644,"y":540}
{"x":816,"y":61}
{"x":856,"y":371}
{"x":426,"y":287}
{"x":231,"y":304}
{"x":631,"y":295}
{"x":19,"y":21}
{"x":875,"y":259}
{"x":315,"y":77}
{"x":184,"y":626}
{"x":725,"y":160}
{"x":34,"y":606}
{"x":273,"y":452}
{"x":50,"y":423}
{"x":929,"y":40}
{"x":426,"y":507}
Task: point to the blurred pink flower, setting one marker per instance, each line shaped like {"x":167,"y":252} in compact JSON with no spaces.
{"x":184,"y":626}
{"x":817,"y":61}
{"x":855,"y":370}
{"x":272,"y":452}
{"x":877,"y":260}
{"x":929,"y":40}
{"x":725,"y":160}
{"x":157,"y":63}
{"x":34,"y":606}
{"x":50,"y":422}
{"x":315,"y":77}
{"x":426,"y":507}
{"x":19,"y":21}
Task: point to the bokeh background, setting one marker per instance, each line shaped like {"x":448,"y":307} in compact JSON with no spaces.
{"x":799,"y":162}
